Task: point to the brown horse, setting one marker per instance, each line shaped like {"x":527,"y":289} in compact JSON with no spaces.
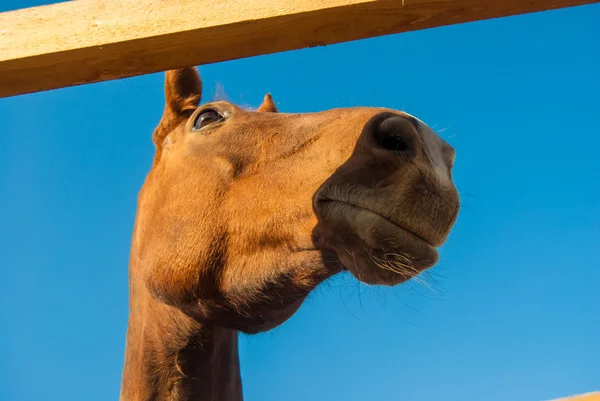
{"x":243,"y":213}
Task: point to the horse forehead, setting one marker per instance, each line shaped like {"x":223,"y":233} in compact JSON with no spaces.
{"x":305,"y":122}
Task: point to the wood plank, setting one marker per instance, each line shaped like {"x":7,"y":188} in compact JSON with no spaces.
{"x":87,"y":41}
{"x":594,"y":396}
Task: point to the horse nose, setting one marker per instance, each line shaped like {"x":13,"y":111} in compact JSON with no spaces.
{"x":397,"y":134}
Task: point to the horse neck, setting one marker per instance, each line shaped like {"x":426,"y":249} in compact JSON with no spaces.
{"x":170,"y":356}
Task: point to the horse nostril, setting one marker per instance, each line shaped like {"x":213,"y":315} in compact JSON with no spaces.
{"x":396,"y":135}
{"x":393,"y":143}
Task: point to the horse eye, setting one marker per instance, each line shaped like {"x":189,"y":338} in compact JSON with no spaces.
{"x":207,"y":117}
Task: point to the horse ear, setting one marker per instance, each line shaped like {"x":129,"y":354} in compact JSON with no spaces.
{"x":268,"y":105}
{"x":183,"y":92}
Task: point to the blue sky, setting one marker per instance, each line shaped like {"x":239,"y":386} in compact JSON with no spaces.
{"x":512,"y":312}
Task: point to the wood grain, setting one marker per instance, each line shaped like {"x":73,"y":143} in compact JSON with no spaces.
{"x":87,"y":41}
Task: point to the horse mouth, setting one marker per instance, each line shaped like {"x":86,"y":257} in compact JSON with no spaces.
{"x":375,"y":248}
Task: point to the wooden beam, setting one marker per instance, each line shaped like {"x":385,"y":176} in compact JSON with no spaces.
{"x":87,"y":41}
{"x":595,"y":396}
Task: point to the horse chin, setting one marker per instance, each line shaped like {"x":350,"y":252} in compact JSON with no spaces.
{"x":384,"y":269}
{"x":375,"y":250}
